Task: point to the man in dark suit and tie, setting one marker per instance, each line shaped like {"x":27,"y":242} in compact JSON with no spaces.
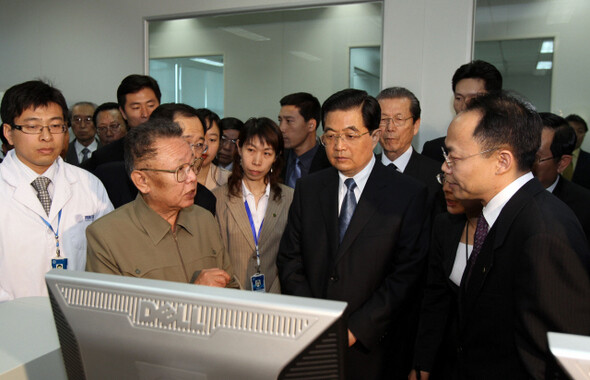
{"x":400,"y":122}
{"x":299,"y":118}
{"x":579,"y":169}
{"x":356,"y":232}
{"x":81,"y":148}
{"x":558,"y":141}
{"x":528,"y":272}
{"x":472,"y":79}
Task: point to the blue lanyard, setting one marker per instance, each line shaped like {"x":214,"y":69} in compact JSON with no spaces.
{"x":55,"y":233}
{"x":256,"y":236}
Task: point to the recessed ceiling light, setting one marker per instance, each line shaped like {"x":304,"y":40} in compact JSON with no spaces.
{"x":547,"y":47}
{"x":544,"y":65}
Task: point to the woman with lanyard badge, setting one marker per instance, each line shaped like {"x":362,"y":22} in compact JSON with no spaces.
{"x":252,"y":207}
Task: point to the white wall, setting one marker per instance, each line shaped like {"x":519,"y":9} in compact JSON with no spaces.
{"x":86,"y":47}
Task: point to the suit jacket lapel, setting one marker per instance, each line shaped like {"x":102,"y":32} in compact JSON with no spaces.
{"x":328,"y":198}
{"x":270,"y":217}
{"x":236,"y":207}
{"x":497,"y":235}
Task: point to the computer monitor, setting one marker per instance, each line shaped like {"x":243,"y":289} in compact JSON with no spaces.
{"x":572,"y":352}
{"x":114,"y":327}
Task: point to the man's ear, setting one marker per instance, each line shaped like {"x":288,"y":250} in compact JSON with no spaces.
{"x":505,"y":161}
{"x":140,"y":181}
{"x":564,"y":162}
{"x":375,"y":136}
{"x":416,"y":126}
{"x":123,"y":114}
{"x":7,"y":129}
{"x":312,"y":125}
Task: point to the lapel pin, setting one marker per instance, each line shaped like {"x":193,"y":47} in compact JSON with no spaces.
{"x":274,"y":215}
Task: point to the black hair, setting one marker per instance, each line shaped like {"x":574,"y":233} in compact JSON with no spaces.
{"x":106,"y":107}
{"x":169,"y":111}
{"x":35,"y":94}
{"x":230,"y":123}
{"x":401,"y":92}
{"x":352,"y":98}
{"x":139,"y":142}
{"x":577,"y":119}
{"x":510,"y":122}
{"x":308,"y":105}
{"x":479,"y":70}
{"x":268,"y":132}
{"x":207,"y":118}
{"x":564,"y":138}
{"x":135,"y":83}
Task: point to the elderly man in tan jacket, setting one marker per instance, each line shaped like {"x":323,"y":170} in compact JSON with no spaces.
{"x":161,"y":234}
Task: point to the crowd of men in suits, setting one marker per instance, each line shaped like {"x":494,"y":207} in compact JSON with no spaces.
{"x":359,"y":227}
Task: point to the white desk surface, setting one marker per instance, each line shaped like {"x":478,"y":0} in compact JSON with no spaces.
{"x":29,"y":347}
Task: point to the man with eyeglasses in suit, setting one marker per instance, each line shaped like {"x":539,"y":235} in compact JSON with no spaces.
{"x":85,"y":143}
{"x":356,"y":232}
{"x":46,"y":203}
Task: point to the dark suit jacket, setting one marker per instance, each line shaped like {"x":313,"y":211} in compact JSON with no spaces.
{"x":425,"y":170}
{"x":374,"y":268}
{"x":577,"y":198}
{"x":582,"y":173}
{"x":320,"y":161}
{"x":108,"y":153}
{"x":432,"y":149}
{"x":435,"y":341}
{"x":121,"y":189}
{"x":72,"y":156}
{"x":529,"y":278}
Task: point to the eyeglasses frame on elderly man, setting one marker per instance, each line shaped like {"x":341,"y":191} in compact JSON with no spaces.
{"x":181,"y":172}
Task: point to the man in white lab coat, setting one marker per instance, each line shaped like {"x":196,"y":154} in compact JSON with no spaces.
{"x":45,"y":203}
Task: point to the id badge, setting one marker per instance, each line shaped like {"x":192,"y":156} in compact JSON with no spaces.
{"x":257,"y":282}
{"x":60,"y":263}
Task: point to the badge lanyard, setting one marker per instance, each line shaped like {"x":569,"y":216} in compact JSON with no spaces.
{"x":257,"y":280}
{"x":58,"y":262}
{"x":256,"y":236}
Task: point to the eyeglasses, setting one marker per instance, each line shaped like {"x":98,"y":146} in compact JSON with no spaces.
{"x":398,"y":121}
{"x":181,"y":172}
{"x":225,"y":140}
{"x":114,"y":128}
{"x":451,"y":161}
{"x":80,"y":120}
{"x":54,"y":129}
{"x":199,"y":148}
{"x":440,"y":177}
{"x":329,"y":139}
{"x":539,"y":160}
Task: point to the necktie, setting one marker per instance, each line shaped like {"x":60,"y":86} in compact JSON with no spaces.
{"x":481,"y":231}
{"x":348,"y":206}
{"x":392,"y":165}
{"x":85,"y":154}
{"x":295,"y":174}
{"x":40,"y":184}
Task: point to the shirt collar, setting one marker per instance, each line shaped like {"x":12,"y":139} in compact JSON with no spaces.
{"x":155,"y":226}
{"x":492,"y":210}
{"x":91,"y":147}
{"x":247,"y":193}
{"x":553,"y":185}
{"x":361,"y":177}
{"x":31,"y":175}
{"x":401,"y":162}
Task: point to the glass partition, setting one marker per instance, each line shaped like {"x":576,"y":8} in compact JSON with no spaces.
{"x":265,"y":55}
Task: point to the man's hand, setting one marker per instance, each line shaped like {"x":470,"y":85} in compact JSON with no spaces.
{"x":351,"y":339}
{"x":423,"y":375}
{"x":213,"y":277}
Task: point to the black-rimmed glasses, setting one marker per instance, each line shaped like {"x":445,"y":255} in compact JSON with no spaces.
{"x":54,"y":129}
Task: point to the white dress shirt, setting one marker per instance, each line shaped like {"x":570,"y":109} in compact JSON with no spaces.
{"x":79,"y":147}
{"x":401,"y":162}
{"x":360,"y":179}
{"x":257,"y":212}
{"x":492,"y":210}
